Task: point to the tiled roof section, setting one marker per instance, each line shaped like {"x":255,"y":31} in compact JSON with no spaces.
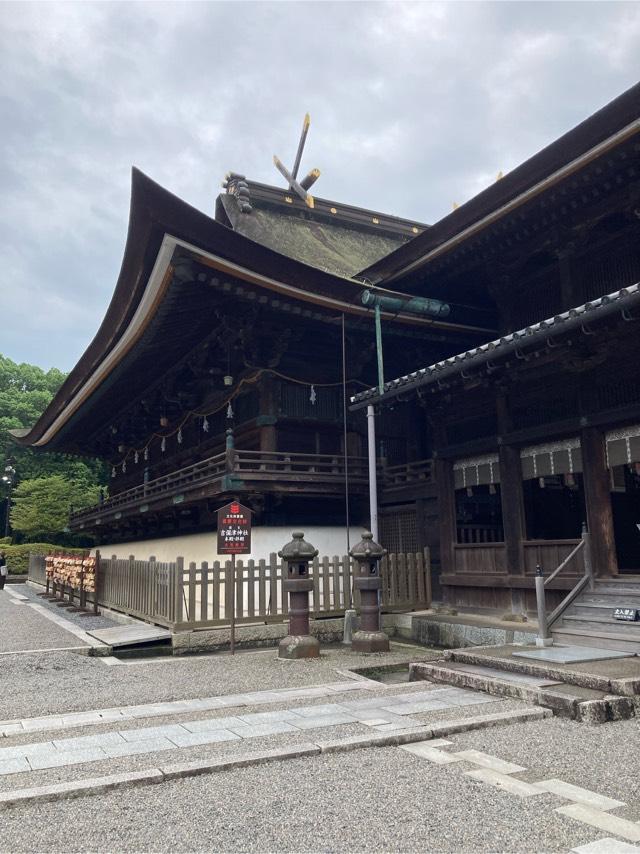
{"x":621,"y":300}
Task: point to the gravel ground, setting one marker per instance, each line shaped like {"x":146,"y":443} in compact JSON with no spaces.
{"x":34,"y":685}
{"x":86,"y":623}
{"x":603,"y":758}
{"x":371,"y":800}
{"x":24,"y":628}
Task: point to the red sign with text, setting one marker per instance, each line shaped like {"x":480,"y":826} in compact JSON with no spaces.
{"x":234,"y":529}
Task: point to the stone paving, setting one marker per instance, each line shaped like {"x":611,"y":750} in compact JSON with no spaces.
{"x":382,"y":714}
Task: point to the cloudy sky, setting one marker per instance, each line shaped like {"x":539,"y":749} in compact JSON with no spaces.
{"x":413,"y":105}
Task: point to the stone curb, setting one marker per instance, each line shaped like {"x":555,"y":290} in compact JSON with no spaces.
{"x":194,"y":769}
{"x":78,"y":788}
{"x":98,"y":785}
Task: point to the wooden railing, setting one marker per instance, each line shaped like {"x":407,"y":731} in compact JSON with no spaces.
{"x":186,"y":596}
{"x":260,"y":466}
{"x":393,"y":477}
{"x":480,"y":534}
{"x":546,"y":621}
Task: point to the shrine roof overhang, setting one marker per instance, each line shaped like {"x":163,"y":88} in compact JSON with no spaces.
{"x":332,"y":236}
{"x":607,"y":130}
{"x":164,"y":234}
{"x":544,"y":333}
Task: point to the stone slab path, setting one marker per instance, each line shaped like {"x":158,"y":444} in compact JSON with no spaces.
{"x":383,"y":714}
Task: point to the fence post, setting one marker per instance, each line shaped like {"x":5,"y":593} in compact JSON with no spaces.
{"x":97,"y":574}
{"x":588,"y":564}
{"x":177,"y":590}
{"x":542,"y":638}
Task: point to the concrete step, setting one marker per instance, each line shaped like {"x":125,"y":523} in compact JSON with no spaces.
{"x":576,"y":636}
{"x":577,"y":703}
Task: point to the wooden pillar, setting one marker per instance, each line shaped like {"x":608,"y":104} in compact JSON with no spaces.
{"x":267,"y":418}
{"x":512,"y":498}
{"x":443,"y":476}
{"x":597,"y":497}
{"x":511,"y":492}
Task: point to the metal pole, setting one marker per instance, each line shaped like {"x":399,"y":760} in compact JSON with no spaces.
{"x":232,"y":615}
{"x":379,"y":351}
{"x":373,"y":481}
{"x":542,"y":638}
{"x":344,"y":429}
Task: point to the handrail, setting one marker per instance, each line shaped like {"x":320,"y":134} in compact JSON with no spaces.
{"x":545,"y":622}
{"x":265,"y":465}
{"x":569,"y":557}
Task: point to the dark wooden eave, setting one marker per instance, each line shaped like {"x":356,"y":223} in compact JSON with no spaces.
{"x":157,"y":216}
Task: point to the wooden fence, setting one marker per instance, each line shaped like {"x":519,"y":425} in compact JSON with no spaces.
{"x":189,"y":596}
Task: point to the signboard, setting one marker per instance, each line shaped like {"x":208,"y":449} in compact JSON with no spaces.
{"x":627,"y":614}
{"x":234,"y":529}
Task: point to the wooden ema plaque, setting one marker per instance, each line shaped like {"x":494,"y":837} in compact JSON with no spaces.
{"x":234,"y":529}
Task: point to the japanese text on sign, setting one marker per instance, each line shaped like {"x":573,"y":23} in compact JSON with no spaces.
{"x":234,"y":529}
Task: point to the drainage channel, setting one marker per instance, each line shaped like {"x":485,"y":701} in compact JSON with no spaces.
{"x":389,"y":674}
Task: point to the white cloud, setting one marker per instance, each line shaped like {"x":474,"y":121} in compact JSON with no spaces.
{"x":414,"y":105}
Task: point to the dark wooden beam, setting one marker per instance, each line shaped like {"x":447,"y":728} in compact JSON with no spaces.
{"x":597,"y":494}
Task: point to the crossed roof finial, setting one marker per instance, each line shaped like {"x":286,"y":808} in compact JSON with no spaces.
{"x":299,"y":187}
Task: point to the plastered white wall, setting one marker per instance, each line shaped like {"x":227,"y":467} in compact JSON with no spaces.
{"x":329,"y":540}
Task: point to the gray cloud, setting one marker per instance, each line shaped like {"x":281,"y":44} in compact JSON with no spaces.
{"x":413,"y":105}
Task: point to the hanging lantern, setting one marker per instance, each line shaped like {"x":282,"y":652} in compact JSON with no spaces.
{"x":205,"y":425}
{"x":313,"y":396}
{"x":227,"y":379}
{"x":121,"y":448}
{"x":164,"y":421}
{"x":229,"y":411}
{"x":135,"y":458}
{"x":146,"y":453}
{"x":541,"y":482}
{"x":163,"y":445}
{"x":113,"y":471}
{"x":180,"y":436}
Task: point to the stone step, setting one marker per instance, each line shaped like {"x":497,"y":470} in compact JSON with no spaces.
{"x":595,"y":609}
{"x":563,"y":699}
{"x":551,"y":671}
{"x":576,"y":636}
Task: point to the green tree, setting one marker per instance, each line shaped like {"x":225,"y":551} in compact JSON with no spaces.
{"x":25,"y":392}
{"x":40,"y":507}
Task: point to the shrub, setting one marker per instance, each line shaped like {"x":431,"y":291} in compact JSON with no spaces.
{"x":18,"y":556}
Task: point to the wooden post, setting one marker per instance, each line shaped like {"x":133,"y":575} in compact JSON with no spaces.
{"x":443,"y":476}
{"x":95,"y":582}
{"x":597,"y":496}
{"x":178,"y":581}
{"x":513,"y":515}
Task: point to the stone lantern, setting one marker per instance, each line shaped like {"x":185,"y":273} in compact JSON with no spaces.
{"x":366,"y":555}
{"x":297,"y":583}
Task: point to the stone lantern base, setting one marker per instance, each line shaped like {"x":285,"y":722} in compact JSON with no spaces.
{"x":299,"y":646}
{"x":370,"y":642}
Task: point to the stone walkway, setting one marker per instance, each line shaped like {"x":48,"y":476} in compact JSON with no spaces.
{"x":379,"y":714}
